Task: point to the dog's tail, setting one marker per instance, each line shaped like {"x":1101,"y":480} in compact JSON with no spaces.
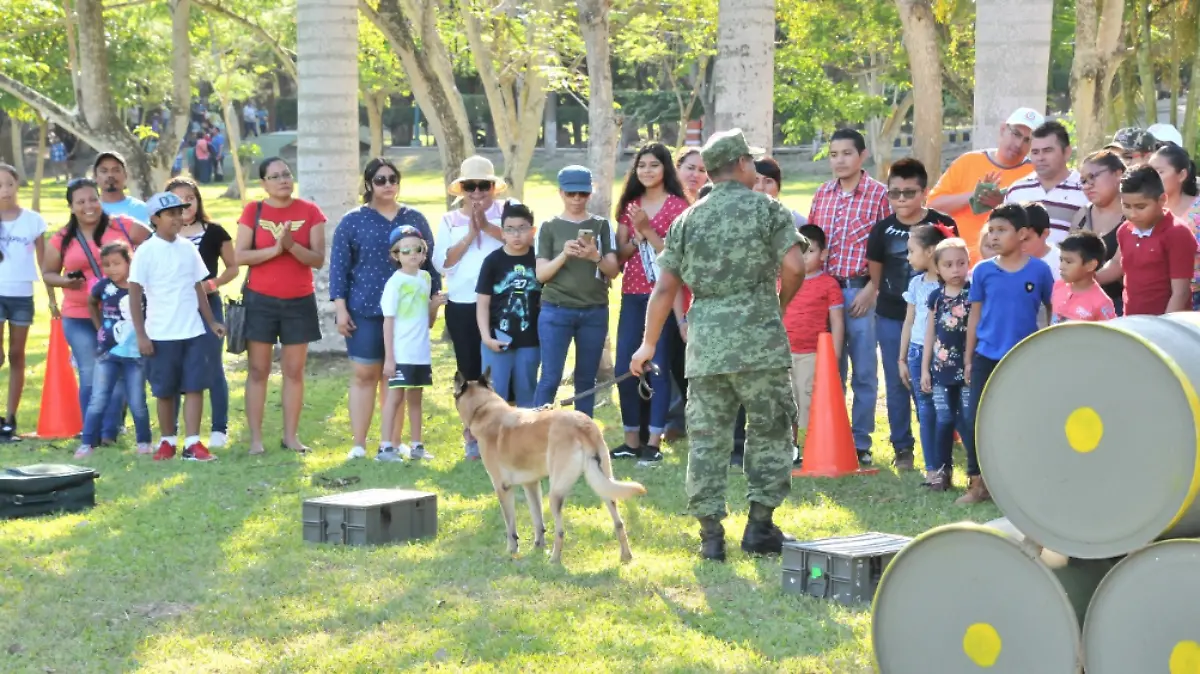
{"x":597,"y":469}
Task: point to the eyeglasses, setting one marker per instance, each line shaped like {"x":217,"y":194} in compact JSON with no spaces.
{"x":380,"y":181}
{"x":1090,"y":179}
{"x":517,"y":229}
{"x":905,"y":194}
{"x":416,"y":250}
{"x":578,"y":195}
{"x":476,"y":185}
{"x":286,"y":175}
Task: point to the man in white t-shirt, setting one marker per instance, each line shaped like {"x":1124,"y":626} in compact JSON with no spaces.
{"x":180,"y":355}
{"x":1052,"y":184}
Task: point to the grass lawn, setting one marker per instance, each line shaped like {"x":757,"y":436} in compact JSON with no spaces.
{"x":186,"y":567}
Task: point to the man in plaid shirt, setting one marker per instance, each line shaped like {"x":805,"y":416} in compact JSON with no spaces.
{"x":846,"y":208}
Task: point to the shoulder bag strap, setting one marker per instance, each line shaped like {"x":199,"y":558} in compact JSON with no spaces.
{"x":253,"y":235}
{"x":87,"y":249}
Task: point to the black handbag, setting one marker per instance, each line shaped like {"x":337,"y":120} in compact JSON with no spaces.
{"x":46,"y":488}
{"x":235,"y":309}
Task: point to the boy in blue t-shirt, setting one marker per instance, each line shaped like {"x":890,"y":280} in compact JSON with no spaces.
{"x":1007,"y":294}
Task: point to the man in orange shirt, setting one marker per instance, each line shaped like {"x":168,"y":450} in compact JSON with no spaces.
{"x":1002,"y":165}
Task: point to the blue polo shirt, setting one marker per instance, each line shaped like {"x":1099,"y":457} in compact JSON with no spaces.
{"x":1011,"y":301}
{"x":134,"y":208}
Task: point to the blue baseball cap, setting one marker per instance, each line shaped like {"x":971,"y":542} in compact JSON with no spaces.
{"x":164,"y":201}
{"x":575,"y":179}
{"x":403,"y":231}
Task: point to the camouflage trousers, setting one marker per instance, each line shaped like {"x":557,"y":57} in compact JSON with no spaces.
{"x":712,"y":407}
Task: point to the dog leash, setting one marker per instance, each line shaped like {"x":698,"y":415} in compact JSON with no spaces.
{"x":644,"y":389}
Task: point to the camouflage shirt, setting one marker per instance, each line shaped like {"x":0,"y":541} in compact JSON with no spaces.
{"x":728,"y":249}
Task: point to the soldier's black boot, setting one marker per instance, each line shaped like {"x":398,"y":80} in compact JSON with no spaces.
{"x":712,"y":539}
{"x":762,"y":537}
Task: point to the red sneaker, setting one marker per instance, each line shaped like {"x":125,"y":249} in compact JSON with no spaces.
{"x":165,"y":451}
{"x":197,"y":452}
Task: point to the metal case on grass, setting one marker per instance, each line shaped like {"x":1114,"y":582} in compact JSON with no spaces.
{"x":844,"y":569}
{"x":370,"y":517}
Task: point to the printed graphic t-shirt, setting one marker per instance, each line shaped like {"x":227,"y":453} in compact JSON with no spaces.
{"x":116,"y":335}
{"x":887,"y":244}
{"x":18,"y":269}
{"x":512,"y":282}
{"x":283,"y":277}
{"x":406,"y":299}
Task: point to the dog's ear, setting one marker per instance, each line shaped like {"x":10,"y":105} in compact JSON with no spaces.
{"x":486,"y":377}
{"x":460,"y":383}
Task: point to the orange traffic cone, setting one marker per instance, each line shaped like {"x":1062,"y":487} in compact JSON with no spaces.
{"x":60,"y":415}
{"x":829,"y":445}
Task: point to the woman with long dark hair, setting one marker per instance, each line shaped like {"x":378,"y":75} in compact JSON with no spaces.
{"x":1100,"y":174}
{"x":22,"y":248}
{"x":72,"y":262}
{"x":282,"y":240}
{"x":359,"y":267}
{"x":650,"y":201}
{"x":215,"y":245}
{"x":1178,"y":172}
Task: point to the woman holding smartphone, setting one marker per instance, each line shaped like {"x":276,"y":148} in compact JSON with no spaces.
{"x":575,"y":263}
{"x":651,"y":200}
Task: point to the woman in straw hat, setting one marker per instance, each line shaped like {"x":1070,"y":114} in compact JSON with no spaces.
{"x":465,"y":236}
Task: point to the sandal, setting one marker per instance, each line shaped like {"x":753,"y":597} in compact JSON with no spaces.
{"x":256,"y":452}
{"x":302,"y":449}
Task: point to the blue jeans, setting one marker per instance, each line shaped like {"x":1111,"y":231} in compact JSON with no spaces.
{"x":557,"y":328}
{"x":81,"y":337}
{"x":981,"y":371}
{"x":218,"y":391}
{"x":109,"y":371}
{"x":859,"y":351}
{"x":953,"y":410}
{"x":631,"y":327}
{"x":517,"y":368}
{"x":899,"y":400}
{"x":926,"y":412}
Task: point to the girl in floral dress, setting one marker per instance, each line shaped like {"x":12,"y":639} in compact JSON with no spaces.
{"x":942,"y":367}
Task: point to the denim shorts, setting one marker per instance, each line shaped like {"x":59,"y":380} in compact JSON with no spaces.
{"x":180,"y":366}
{"x":17,"y":310}
{"x":291,"y":321}
{"x":365,"y":344}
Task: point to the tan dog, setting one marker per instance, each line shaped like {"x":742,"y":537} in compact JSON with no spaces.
{"x":520,"y":447}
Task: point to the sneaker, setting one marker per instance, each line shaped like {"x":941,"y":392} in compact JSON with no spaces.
{"x":145,"y":448}
{"x":8,"y":430}
{"x":472,"y":450}
{"x":357,"y":452}
{"x":864,"y":457}
{"x":417,"y":452}
{"x":651,"y":457}
{"x":197,"y":452}
{"x":797,"y":460}
{"x":84,"y":451}
{"x":389,"y":455}
{"x":624,"y":452}
{"x":218,"y":440}
{"x":903,"y":461}
{"x":165,"y":451}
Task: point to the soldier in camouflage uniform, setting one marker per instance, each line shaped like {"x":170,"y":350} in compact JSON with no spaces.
{"x":729,"y":249}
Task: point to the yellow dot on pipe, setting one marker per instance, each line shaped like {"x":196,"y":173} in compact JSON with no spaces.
{"x":1084,"y":428}
{"x":982,"y":644}
{"x":1185,"y":658}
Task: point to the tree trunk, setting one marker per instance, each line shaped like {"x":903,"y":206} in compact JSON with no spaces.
{"x":1144,"y":64}
{"x":15,"y":129}
{"x":921,"y":43}
{"x":1176,"y":67}
{"x":1098,"y":47}
{"x":72,"y":48}
{"x":374,"y":101}
{"x":1193,"y":99}
{"x":744,"y":74}
{"x":550,"y":125}
{"x":327,"y":62}
{"x":888,"y":133}
{"x":429,"y":74}
{"x":39,"y":167}
{"x":234,"y":132}
{"x":1012,"y":62}
{"x":1129,"y":92}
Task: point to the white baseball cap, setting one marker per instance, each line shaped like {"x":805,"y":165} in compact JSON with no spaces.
{"x":1165,"y":133}
{"x":1026,"y":117}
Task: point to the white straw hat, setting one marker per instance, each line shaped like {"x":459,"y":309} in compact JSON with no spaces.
{"x":477,"y":168}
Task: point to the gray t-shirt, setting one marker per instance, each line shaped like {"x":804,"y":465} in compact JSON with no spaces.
{"x":579,"y":283}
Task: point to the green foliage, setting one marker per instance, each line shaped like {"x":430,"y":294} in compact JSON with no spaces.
{"x":379,"y":69}
{"x":33,"y":50}
{"x":673,"y":42}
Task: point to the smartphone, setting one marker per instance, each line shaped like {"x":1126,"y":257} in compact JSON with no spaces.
{"x":587,"y":236}
{"x":77,"y":274}
{"x":504,"y":339}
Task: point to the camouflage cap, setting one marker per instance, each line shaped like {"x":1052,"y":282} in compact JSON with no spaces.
{"x":726,"y":147}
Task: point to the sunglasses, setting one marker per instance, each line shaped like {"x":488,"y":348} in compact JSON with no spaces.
{"x":380,"y":181}
{"x":476,"y":186}
{"x":578,"y":195}
{"x":417,"y":250}
{"x":906,"y":194}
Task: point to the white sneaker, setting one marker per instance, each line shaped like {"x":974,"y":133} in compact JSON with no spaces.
{"x":357,"y":453}
{"x":405,"y":450}
{"x":217,"y":440}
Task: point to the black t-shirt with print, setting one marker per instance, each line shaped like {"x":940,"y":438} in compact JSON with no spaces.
{"x":512,"y":282}
{"x":888,"y":245}
{"x":209,"y":243}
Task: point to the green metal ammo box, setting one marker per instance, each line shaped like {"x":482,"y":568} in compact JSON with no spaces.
{"x":370,"y":517}
{"x":844,"y":569}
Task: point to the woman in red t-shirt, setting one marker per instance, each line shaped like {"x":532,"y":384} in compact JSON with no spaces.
{"x":651,"y":200}
{"x":68,"y":265}
{"x":282,"y":240}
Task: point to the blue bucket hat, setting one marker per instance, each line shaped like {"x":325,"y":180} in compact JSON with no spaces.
{"x":575,"y":179}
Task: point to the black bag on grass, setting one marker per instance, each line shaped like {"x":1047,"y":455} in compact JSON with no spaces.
{"x":46,"y":488}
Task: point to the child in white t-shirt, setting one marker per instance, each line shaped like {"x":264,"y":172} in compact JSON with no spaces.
{"x":168,"y":270}
{"x":408,"y":313}
{"x":22,"y":240}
